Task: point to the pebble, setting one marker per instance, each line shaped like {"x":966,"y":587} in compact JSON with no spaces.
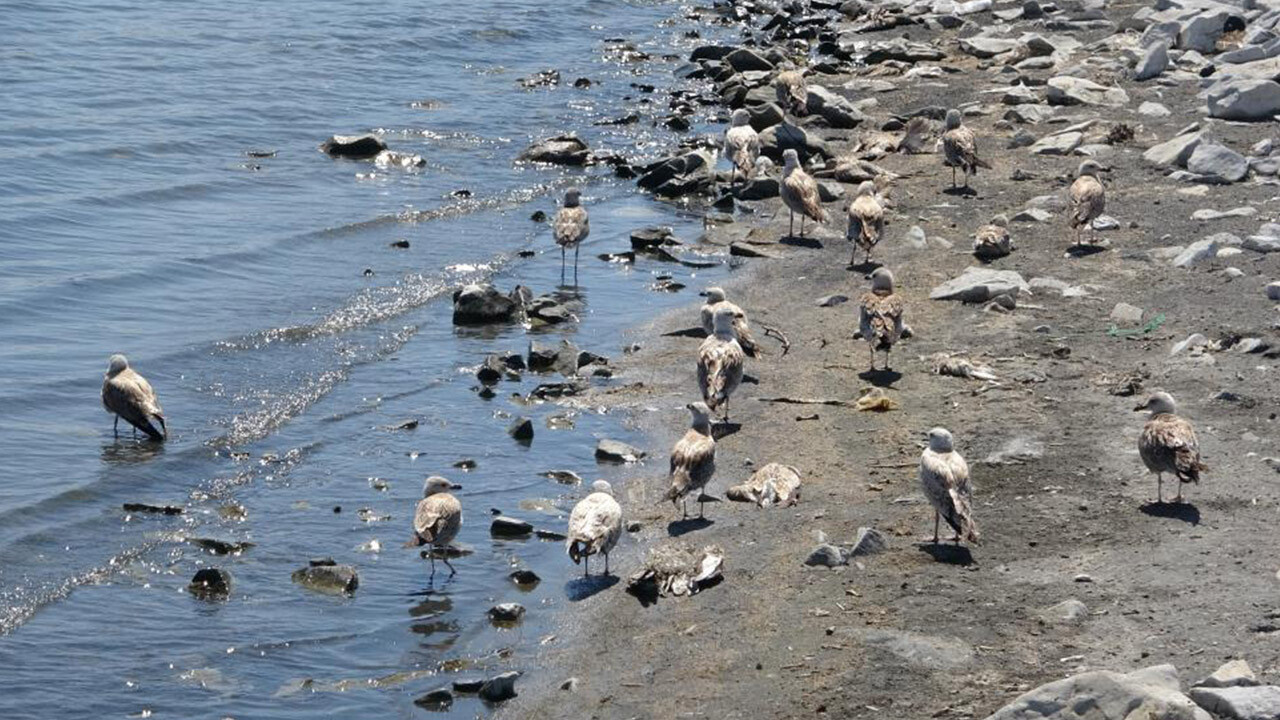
{"x":500,"y":687}
{"x":504,"y":526}
{"x":506,"y":613}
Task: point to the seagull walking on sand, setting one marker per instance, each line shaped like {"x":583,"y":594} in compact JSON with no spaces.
{"x":880,"y":315}
{"x":866,"y":220}
{"x":1088,"y":198}
{"x":720,"y":360}
{"x":1168,"y":444}
{"x":944,"y":475}
{"x":594,"y":527}
{"x":741,"y":144}
{"x":571,"y":227}
{"x":792,"y":92}
{"x":128,"y":395}
{"x":992,"y":241}
{"x":437,"y":519}
{"x":960,"y":148}
{"x":741,"y":329}
{"x":693,"y":459}
{"x":800,"y":193}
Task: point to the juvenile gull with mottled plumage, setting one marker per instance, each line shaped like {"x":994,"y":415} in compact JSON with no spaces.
{"x":880,"y":315}
{"x":693,"y":459}
{"x":437,"y":519}
{"x":1168,"y":444}
{"x":716,"y":298}
{"x":866,"y":220}
{"x":992,"y":241}
{"x":792,"y":92}
{"x":128,"y":395}
{"x":720,"y":360}
{"x":1088,"y":198}
{"x":944,"y":476}
{"x":742,"y":144}
{"x":594,"y":526}
{"x":800,"y":192}
{"x":571,"y":226}
{"x":960,"y":148}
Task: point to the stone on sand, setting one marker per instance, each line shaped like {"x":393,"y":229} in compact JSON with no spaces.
{"x":1107,"y":694}
{"x":1218,"y":162}
{"x":1153,"y":62}
{"x":1197,"y":252}
{"x":1261,"y":702}
{"x":976,"y":285}
{"x":1173,"y":152}
{"x":1235,"y":673}
{"x":1126,"y":314}
{"x":1244,"y":98}
{"x":1067,"y":90}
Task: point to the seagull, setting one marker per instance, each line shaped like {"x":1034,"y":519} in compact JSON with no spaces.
{"x":437,"y":519}
{"x":866,"y":220}
{"x":1087,"y":197}
{"x":792,"y":92}
{"x":945,"y":478}
{"x":960,"y":148}
{"x":128,"y":395}
{"x":1168,"y":444}
{"x":693,"y":459}
{"x":741,"y":144}
{"x":720,"y":360}
{"x":992,"y":241}
{"x":800,"y":192}
{"x":594,"y":526}
{"x":880,"y":319}
{"x":741,"y":330}
{"x":571,"y":227}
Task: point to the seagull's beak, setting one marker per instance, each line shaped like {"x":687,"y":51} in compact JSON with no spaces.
{"x":702,"y":294}
{"x":1141,"y":407}
{"x":455,"y":486}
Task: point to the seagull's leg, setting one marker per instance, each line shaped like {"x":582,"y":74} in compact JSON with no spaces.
{"x":561,"y":264}
{"x":1179,"y":498}
{"x":586,"y":566}
{"x":953,"y":176}
{"x":115,"y":427}
{"x":802,"y":225}
{"x":1160,"y":488}
{"x":431,"y":553}
{"x":684,"y":509}
{"x":935,"y":527}
{"x":872,"y":348}
{"x":444,"y":559}
{"x":791,"y":226}
{"x":606,"y":564}
{"x":701,"y":506}
{"x":575,"y":266}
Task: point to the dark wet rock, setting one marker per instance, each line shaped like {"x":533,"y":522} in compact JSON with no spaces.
{"x":765,"y":115}
{"x":500,"y":687}
{"x":466,"y":464}
{"x":1218,"y":162}
{"x":330,"y":579}
{"x":758,"y":188}
{"x":526,"y":579}
{"x":869,"y":542}
{"x":902,"y":50}
{"x":587,"y":357}
{"x":506,"y":613}
{"x":559,"y":150}
{"x":503,"y":526}
{"x":837,"y":111}
{"x":679,"y":175}
{"x":549,"y":310}
{"x":220,"y":547}
{"x":479,"y":304}
{"x":512,"y":360}
{"x":618,"y":452}
{"x":650,"y":237}
{"x":468,"y":685}
{"x":492,"y":370}
{"x":436,"y":700}
{"x":826,"y":555}
{"x":321,"y":562}
{"x":550,"y":535}
{"x":564,"y":477}
{"x":356,"y":147}
{"x":744,"y":60}
{"x":552,"y":390}
{"x":784,"y":136}
{"x":521,"y":429}
{"x":562,"y":358}
{"x":153,"y":509}
{"x":1246,"y":99}
{"x":210,"y":583}
{"x":538,"y":216}
{"x":710,"y":52}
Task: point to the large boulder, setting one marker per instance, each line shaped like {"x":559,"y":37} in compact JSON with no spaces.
{"x":977,"y":285}
{"x":783,"y":136}
{"x":679,"y":175}
{"x":559,"y":150}
{"x":356,"y":147}
{"x":481,"y":303}
{"x":1244,"y":99}
{"x":1173,"y":152}
{"x":837,"y":111}
{"x":765,"y":115}
{"x":1067,"y":90}
{"x":1153,"y":62}
{"x":1201,"y":32}
{"x":1218,"y":163}
{"x":744,"y":60}
{"x":1105,"y":694}
{"x":1261,"y":702}
{"x":903,"y":51}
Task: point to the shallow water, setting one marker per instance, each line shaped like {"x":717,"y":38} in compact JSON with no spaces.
{"x":133,"y":220}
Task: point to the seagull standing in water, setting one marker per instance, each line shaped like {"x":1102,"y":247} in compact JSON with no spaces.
{"x":128,"y":395}
{"x":1168,"y":444}
{"x":880,"y":315}
{"x":944,"y":476}
{"x":594,"y":526}
{"x":693,"y":459}
{"x":800,"y":192}
{"x":741,"y":144}
{"x":437,"y":519}
{"x":720,"y":360}
{"x":571,"y":227}
{"x":716,"y":298}
{"x":866,"y":220}
{"x":960,"y":149}
{"x":1088,"y":198}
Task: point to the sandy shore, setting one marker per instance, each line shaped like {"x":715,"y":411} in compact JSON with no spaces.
{"x":916,"y":631}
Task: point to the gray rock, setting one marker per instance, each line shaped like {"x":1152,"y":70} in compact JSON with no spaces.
{"x":1244,"y":99}
{"x":1201,"y":32}
{"x":1020,"y":139}
{"x":987,"y":47}
{"x":480,"y":304}
{"x":1160,"y":33}
{"x":562,"y":357}
{"x":744,"y":60}
{"x":915,"y":237}
{"x":650,"y":237}
{"x":785,"y":136}
{"x":356,"y":147}
{"x":1126,"y":314}
{"x":1206,"y":214}
{"x":1105,"y":694}
{"x":1196,"y":253}
{"x":922,"y":651}
{"x":1153,"y":109}
{"x":758,"y":188}
{"x":1029,"y":114}
{"x":837,"y":111}
{"x":500,"y":687}
{"x":503,"y":526}
{"x":1173,"y":152}
{"x":1235,"y":673}
{"x":210,"y":584}
{"x":1194,"y":340}
{"x":618,"y":452}
{"x":826,"y":555}
{"x":1273,"y":290}
{"x":831,"y":300}
{"x":977,"y":285}
{"x":902,"y":50}
{"x":1047,"y":284}
{"x":1261,"y":702}
{"x":1218,"y":162}
{"x":1152,"y":63}
{"x":829,"y":191}
{"x":1061,"y":144}
{"x":1066,"y":612}
{"x":765,"y":115}
{"x":679,"y":175}
{"x":1016,"y":451}
{"x":1032,"y":215}
{"x":329,"y":579}
{"x":1067,"y":90}
{"x":521,"y":429}
{"x":559,"y":150}
{"x":1105,"y":222}
{"x":1262,"y":243}
{"x":869,"y":542}
{"x":1019,"y":95}
{"x":506,"y":612}
{"x":438,"y":700}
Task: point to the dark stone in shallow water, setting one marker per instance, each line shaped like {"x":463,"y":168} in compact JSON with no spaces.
{"x":357,"y":147}
{"x":330,"y":579}
{"x":468,"y":685}
{"x":506,"y":613}
{"x":436,"y":700}
{"x":559,"y":150}
{"x":220,"y":547}
{"x":504,"y":526}
{"x":157,"y":509}
{"x":479,"y":304}
{"x":500,"y":687}
{"x":525,"y":578}
{"x":521,"y":429}
{"x":652,"y":236}
{"x":210,"y":584}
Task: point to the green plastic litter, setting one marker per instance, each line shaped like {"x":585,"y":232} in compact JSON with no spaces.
{"x":1155,"y":322}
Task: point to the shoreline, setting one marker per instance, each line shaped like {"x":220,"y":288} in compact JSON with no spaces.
{"x":1061,"y":496}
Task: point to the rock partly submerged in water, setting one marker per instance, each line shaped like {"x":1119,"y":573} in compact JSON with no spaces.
{"x":482,"y":303}
{"x":328,"y":579}
{"x":615,"y":451}
{"x":559,"y":150}
{"x":210,"y":584}
{"x":500,"y":687}
{"x":355,"y":147}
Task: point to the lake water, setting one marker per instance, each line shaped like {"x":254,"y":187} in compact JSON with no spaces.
{"x":134,"y":219}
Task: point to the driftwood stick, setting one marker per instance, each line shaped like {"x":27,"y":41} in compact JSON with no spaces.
{"x":806,"y":401}
{"x":777,"y":334}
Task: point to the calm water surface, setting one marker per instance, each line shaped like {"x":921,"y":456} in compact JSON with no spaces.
{"x":133,"y":220}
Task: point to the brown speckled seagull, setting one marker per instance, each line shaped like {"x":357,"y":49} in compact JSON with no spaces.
{"x":128,"y":395}
{"x":800,"y":192}
{"x":741,"y":144}
{"x":594,"y":526}
{"x":571,"y":227}
{"x":693,"y":459}
{"x":792,"y":92}
{"x":720,"y":360}
{"x":944,"y":476}
{"x":866,"y":220}
{"x":741,"y":328}
{"x":880,"y":315}
{"x":960,"y":148}
{"x":437,"y":519}
{"x":992,"y":241}
{"x":1168,"y":444}
{"x":1088,"y":198}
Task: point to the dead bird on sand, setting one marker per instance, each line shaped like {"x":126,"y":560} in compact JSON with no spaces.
{"x":677,"y":569}
{"x":594,"y":526}
{"x":1168,"y":444}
